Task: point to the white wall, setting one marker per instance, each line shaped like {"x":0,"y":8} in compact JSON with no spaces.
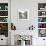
{"x":24,"y":4}
{"x":32,"y":5}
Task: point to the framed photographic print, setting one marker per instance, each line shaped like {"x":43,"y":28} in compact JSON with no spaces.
{"x":23,"y":14}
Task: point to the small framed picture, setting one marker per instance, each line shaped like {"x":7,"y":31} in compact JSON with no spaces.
{"x":23,"y":14}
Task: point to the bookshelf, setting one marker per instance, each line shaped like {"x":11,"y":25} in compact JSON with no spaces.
{"x":4,"y":19}
{"x":42,"y":19}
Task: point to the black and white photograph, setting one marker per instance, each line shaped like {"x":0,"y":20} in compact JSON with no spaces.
{"x":23,"y":14}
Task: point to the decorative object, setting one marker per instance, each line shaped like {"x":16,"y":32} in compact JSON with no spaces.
{"x":43,"y":13}
{"x":31,"y":27}
{"x":13,"y":27}
{"x":23,"y":40}
{"x":23,"y":13}
{"x":26,"y":38}
{"x":41,"y":19}
{"x":3,"y":19}
{"x":41,"y":6}
{"x":4,"y":29}
{"x":6,"y":7}
{"x":41,"y":25}
{"x":0,"y":7}
{"x":42,"y":32}
{"x":3,"y":6}
{"x":3,"y":13}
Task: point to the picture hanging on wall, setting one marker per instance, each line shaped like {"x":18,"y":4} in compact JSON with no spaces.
{"x":23,"y":13}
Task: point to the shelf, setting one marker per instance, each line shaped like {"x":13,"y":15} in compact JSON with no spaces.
{"x":3,"y":16}
{"x":41,"y":10}
{"x":41,"y":22}
{"x":42,"y":19}
{"x":41,"y":28}
{"x":3,"y":22}
{"x":42,"y":16}
{"x":4,"y":19}
{"x":3,"y":10}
